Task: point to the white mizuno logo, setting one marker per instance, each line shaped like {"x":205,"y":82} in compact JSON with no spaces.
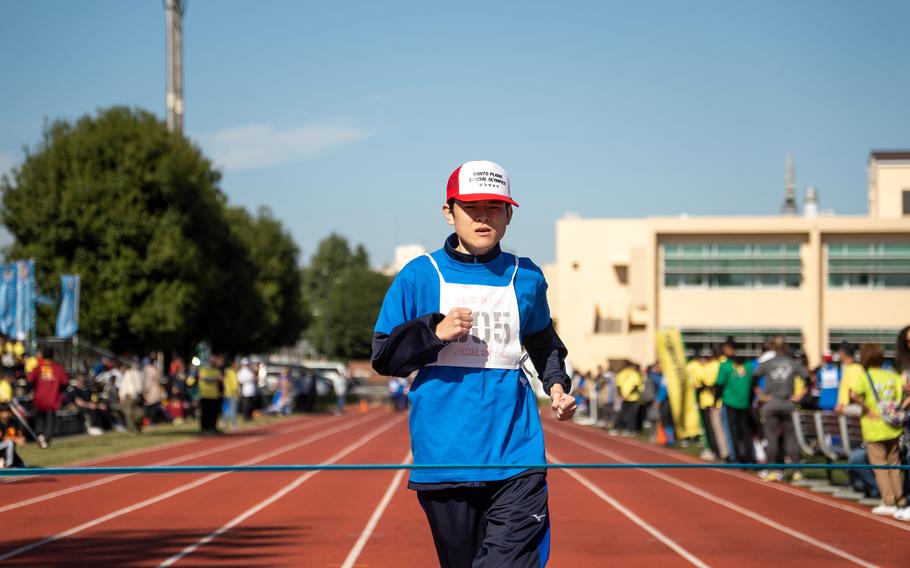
{"x":538,"y":517}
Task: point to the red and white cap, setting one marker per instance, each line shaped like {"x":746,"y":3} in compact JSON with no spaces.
{"x":479,"y":180}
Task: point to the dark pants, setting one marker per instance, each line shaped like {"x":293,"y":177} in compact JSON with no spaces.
{"x":778,"y":418}
{"x":156,"y":413}
{"x":96,"y":417}
{"x":862,"y":480}
{"x":628,"y":416}
{"x":45,"y":421}
{"x":741,"y":431}
{"x":209,"y":409}
{"x":247,"y":406}
{"x":504,"y":523}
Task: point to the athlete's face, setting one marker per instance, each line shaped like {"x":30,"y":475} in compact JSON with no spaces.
{"x":480,"y":225}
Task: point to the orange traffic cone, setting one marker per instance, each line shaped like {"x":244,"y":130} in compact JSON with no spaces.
{"x":363,"y":406}
{"x":661,"y":437}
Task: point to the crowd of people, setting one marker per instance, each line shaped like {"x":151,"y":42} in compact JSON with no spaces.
{"x":745,"y":407}
{"x":133,"y":393}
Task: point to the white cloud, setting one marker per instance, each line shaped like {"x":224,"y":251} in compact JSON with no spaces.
{"x":258,"y":145}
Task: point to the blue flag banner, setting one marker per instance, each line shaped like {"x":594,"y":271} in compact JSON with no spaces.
{"x":7,"y":298}
{"x":68,"y":317}
{"x":24,"y":318}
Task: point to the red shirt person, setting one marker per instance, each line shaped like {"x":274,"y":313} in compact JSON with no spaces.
{"x":49,"y":380}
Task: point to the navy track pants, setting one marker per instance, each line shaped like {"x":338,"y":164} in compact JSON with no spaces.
{"x":502,"y":523}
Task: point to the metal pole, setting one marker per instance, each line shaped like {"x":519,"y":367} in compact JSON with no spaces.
{"x":173,"y":12}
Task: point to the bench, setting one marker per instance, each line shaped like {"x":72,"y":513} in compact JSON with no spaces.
{"x":838,"y":436}
{"x":806,"y":432}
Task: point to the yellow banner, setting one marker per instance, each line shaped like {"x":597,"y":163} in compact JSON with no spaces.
{"x":680,"y":391}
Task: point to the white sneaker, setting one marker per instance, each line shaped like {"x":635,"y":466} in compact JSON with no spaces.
{"x":95,"y":431}
{"x":885,"y":510}
{"x":706,"y":455}
{"x":902,"y":514}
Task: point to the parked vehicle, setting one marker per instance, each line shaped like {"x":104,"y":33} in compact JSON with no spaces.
{"x":307,"y":386}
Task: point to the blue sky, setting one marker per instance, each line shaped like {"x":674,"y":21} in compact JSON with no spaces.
{"x":349,"y":116}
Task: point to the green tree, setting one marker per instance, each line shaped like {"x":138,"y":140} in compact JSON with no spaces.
{"x":278,"y":279}
{"x":344,"y":328}
{"x":333,"y":255}
{"x":345,"y":296}
{"x":137,"y":212}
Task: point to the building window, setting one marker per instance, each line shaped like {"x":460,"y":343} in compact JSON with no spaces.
{"x":869,"y":265}
{"x":622,"y":274}
{"x":747,"y":265}
{"x":884,"y":337}
{"x":749,"y":342}
{"x":606,"y":325}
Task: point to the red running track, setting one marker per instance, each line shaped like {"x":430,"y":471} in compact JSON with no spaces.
{"x":367,"y":519}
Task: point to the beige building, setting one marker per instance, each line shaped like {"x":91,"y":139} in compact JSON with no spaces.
{"x":817,"y":279}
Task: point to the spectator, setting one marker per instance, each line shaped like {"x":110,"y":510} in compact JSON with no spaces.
{"x":304,"y":387}
{"x":829,"y":379}
{"x":629,"y":383}
{"x":211,"y":387}
{"x":396,"y":394}
{"x":283,"y":400}
{"x":154,"y":394}
{"x":6,"y":385}
{"x":11,"y":352}
{"x":877,"y":395}
{"x":646,"y":400}
{"x":248,"y":397}
{"x":735,"y":378}
{"x":606,"y":397}
{"x":108,"y":384}
{"x":48,"y":379}
{"x":695,"y":368}
{"x":340,"y":384}
{"x":784,"y":385}
{"x":581,"y":390}
{"x":231,"y":395}
{"x":704,"y":378}
{"x":11,"y":437}
{"x":902,"y":354}
{"x":102,"y":365}
{"x":179,"y":405}
{"x":862,"y":480}
{"x":79,"y":396}
{"x":662,"y":403}
{"x":132,"y":390}
{"x":851,"y":371}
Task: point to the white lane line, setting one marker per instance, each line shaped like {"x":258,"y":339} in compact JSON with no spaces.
{"x":178,"y":490}
{"x":117,"y":477}
{"x":723,"y":502}
{"x":275,"y":497}
{"x":274,"y":427}
{"x":751,"y":479}
{"x":672,"y":544}
{"x":354,"y":554}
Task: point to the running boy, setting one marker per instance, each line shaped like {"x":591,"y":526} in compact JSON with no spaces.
{"x":461,"y":316}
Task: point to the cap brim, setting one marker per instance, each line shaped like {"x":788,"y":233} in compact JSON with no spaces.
{"x":485,"y":197}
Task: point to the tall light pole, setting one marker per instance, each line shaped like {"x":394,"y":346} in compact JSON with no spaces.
{"x":173,"y":13}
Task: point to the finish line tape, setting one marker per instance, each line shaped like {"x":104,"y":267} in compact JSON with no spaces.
{"x":54,"y":471}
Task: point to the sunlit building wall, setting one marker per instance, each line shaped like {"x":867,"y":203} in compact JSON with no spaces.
{"x":815,"y":279}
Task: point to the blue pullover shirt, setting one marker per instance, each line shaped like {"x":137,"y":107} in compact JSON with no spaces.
{"x":465,"y":415}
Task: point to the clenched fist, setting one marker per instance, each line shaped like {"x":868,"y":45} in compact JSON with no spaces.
{"x":563,"y":405}
{"x":457,"y":324}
